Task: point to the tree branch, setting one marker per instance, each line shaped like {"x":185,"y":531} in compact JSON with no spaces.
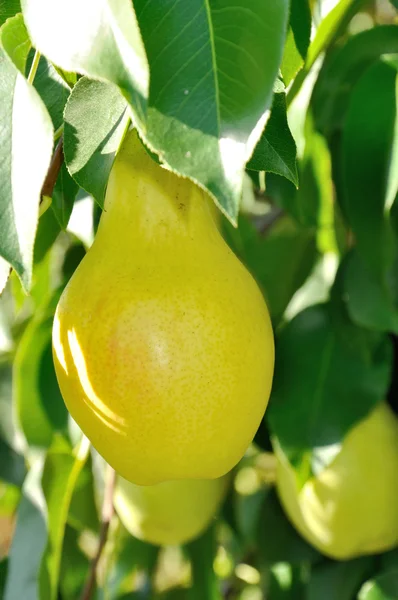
{"x":53,"y":171}
{"x":107,"y":514}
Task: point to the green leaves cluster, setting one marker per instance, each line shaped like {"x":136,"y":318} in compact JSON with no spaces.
{"x":193,"y":79}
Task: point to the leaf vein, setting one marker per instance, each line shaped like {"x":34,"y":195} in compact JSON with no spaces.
{"x":176,"y":73}
{"x":241,"y":49}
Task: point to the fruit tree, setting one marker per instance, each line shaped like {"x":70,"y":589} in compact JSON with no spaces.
{"x":199,"y":300}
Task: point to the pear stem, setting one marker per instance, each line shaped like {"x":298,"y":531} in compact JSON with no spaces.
{"x":107,"y":514}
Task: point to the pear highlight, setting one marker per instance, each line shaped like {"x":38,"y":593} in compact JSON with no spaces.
{"x":162,"y":341}
{"x":350,"y":509}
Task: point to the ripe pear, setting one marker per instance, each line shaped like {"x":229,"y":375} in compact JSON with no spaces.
{"x":171,"y":512}
{"x":351,"y":507}
{"x":163,"y":345}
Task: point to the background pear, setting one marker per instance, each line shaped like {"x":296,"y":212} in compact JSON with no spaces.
{"x":163,"y":345}
{"x":351,"y":508}
{"x":172,"y":512}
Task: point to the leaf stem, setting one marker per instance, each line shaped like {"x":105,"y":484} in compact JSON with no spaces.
{"x":107,"y":514}
{"x":33,"y":68}
{"x":59,"y":132}
{"x":44,"y":205}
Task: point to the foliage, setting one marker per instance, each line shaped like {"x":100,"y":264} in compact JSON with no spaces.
{"x":286,"y":113}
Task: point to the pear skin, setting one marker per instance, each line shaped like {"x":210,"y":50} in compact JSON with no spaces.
{"x":169,"y":513}
{"x":350,"y":509}
{"x":162,"y":341}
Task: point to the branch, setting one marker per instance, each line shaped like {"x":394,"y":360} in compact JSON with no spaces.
{"x":53,"y":171}
{"x":107,"y":514}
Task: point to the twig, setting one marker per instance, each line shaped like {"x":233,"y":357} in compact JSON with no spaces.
{"x":53,"y":171}
{"x":107,"y":514}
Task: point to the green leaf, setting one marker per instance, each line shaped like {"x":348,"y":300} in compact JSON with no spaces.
{"x":68,"y":77}
{"x":83,"y":510}
{"x":52,"y":89}
{"x":211,"y":85}
{"x":351,"y":335}
{"x":15,"y":42}
{"x":313,"y":203}
{"x":292,"y":60}
{"x":208,"y":100}
{"x":331,"y":25}
{"x":12,"y":465}
{"x":74,"y":566}
{"x":8,"y":8}
{"x":389,"y":560}
{"x":35,"y":555}
{"x":26,"y":140}
{"x":329,"y":29}
{"x":366,"y":151}
{"x":325,"y":385}
{"x":39,"y":403}
{"x":10,"y":496}
{"x":383,"y":587}
{"x":3,"y":576}
{"x":345,"y":67}
{"x":277,"y":539}
{"x":72,"y":258}
{"x":276,"y":149}
{"x":7,"y":426}
{"x":64,"y":195}
{"x":98,"y":39}
{"x":392,"y":184}
{"x":29,"y":541}
{"x":286,"y":249}
{"x":60,"y":474}
{"x":95,"y":122}
{"x":201,"y":553}
{"x":300,"y":22}
{"x":338,"y":580}
{"x":247,"y":513}
{"x":370,"y":303}
{"x":47,"y":232}
{"x":131,"y":555}
{"x":298,"y":39}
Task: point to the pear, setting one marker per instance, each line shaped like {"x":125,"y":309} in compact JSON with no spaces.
{"x":171,"y":512}
{"x":350,"y":508}
{"x":162,"y":341}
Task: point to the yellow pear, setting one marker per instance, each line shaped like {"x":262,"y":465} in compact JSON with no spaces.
{"x":163,"y":345}
{"x":171,"y":512}
{"x":351,"y":508}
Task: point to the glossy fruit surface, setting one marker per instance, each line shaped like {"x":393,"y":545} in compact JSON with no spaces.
{"x":351,"y":508}
{"x":163,"y":345}
{"x":172,"y":512}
